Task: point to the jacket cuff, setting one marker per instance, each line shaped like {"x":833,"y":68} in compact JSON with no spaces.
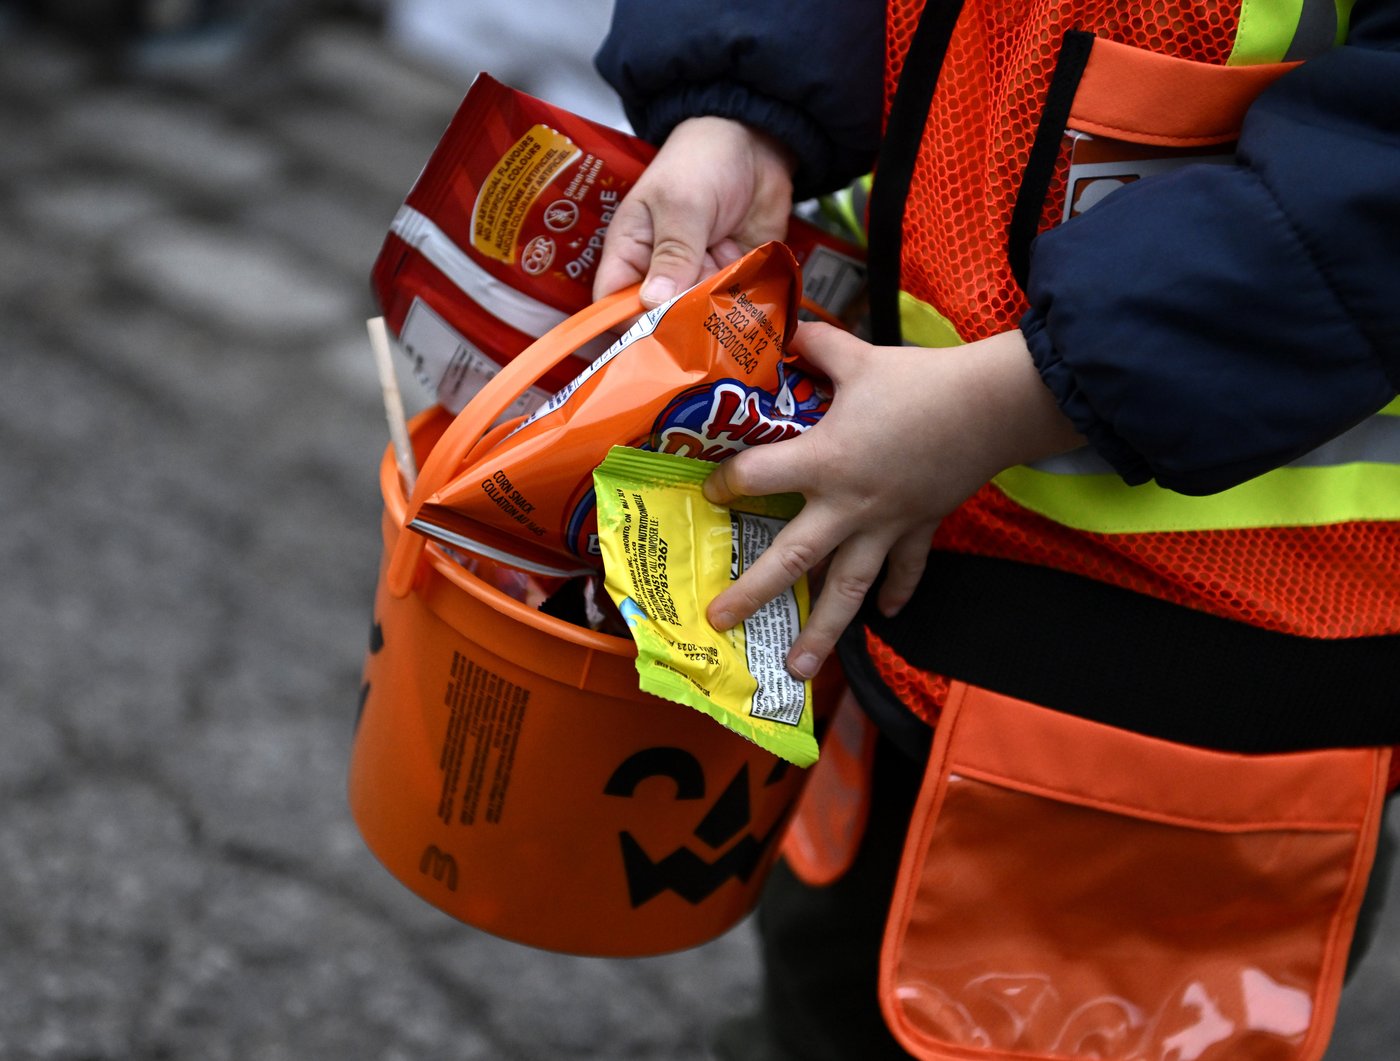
{"x":818,"y":167}
{"x":1107,"y":443}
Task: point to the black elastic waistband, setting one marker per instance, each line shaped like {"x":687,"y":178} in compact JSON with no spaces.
{"x":1114,"y":656}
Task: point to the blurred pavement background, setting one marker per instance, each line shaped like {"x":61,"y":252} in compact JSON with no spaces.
{"x":189,"y":536}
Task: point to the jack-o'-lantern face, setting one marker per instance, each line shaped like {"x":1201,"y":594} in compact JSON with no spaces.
{"x":683,"y":871}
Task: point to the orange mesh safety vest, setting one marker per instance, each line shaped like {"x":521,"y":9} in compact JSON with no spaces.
{"x":1312,"y":549}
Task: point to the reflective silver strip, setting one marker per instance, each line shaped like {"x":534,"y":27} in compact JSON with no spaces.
{"x":1374,"y":441}
{"x":497,"y":298}
{"x":471,"y":545}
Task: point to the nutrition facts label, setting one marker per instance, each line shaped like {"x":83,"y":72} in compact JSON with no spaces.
{"x":769,"y":632}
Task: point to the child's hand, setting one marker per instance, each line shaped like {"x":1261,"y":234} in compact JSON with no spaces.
{"x":910,"y":435}
{"x":716,"y":189}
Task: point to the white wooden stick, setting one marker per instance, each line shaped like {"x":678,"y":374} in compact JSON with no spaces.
{"x":393,"y":402}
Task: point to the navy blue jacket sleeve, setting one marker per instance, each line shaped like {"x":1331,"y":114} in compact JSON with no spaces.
{"x":809,"y":74}
{"x":1206,"y":326}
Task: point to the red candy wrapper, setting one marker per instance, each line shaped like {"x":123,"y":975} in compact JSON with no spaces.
{"x":499,"y":239}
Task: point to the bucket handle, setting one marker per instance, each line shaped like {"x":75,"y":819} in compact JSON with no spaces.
{"x":487,"y":406}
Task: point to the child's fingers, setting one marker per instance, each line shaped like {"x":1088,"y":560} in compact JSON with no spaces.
{"x":853,"y":570}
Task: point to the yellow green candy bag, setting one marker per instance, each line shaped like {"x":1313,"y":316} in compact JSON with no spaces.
{"x":667,"y":552}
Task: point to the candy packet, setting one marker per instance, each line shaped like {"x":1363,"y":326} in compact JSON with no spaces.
{"x":667,"y":553}
{"x":498,"y":241}
{"x":704,"y":375}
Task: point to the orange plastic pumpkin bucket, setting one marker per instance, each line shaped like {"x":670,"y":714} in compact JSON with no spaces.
{"x":506,"y":767}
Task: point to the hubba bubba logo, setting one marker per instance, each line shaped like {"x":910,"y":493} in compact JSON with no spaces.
{"x":714,"y":421}
{"x":690,"y":875}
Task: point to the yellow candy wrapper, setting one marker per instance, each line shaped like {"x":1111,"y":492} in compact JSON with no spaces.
{"x":667,"y":552}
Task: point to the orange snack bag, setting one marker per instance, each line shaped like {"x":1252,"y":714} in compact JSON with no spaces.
{"x":704,"y":375}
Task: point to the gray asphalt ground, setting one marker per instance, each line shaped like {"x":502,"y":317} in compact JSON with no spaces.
{"x":189,"y":536}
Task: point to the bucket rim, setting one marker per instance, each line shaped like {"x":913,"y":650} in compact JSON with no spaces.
{"x":395,"y":506}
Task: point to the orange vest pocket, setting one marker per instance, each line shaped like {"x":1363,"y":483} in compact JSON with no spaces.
{"x":1073,"y":890}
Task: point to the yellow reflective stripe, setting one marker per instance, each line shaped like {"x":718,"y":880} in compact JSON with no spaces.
{"x":1352,"y":476}
{"x":1341,"y":488}
{"x":1290,"y":496}
{"x":1343,"y":19}
{"x":922,"y":325}
{"x":1272,"y":31}
{"x":1266,"y":30}
{"x":846,"y":208}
